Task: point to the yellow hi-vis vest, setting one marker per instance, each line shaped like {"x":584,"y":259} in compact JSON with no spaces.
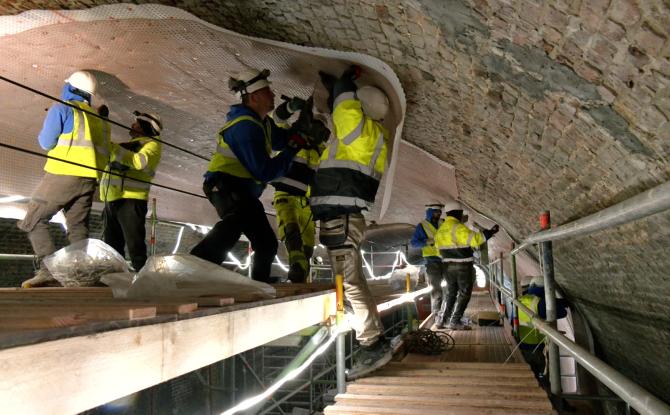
{"x":225,"y":160}
{"x":87,"y":144}
{"x":456,"y":241}
{"x":429,"y":249}
{"x":359,"y":146}
{"x":142,"y":165}
{"x":527,"y":333}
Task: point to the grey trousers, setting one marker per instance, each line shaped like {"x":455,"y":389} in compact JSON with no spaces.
{"x":72,"y":194}
{"x":342,"y":236}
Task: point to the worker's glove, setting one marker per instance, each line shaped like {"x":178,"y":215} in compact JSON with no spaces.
{"x":294,"y":104}
{"x":313,"y":132}
{"x":328,"y":82}
{"x":120,"y":167}
{"x":352,"y":73}
{"x":488,"y":233}
{"x":318,"y":134}
{"x":133,"y":146}
{"x":103,"y":111}
{"x":289,"y":106}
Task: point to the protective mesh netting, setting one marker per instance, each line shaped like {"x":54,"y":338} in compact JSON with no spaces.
{"x":154,"y":59}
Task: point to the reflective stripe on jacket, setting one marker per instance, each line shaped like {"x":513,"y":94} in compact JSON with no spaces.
{"x":456,"y":241}
{"x":430,"y":249}
{"x":87,"y":144}
{"x":300,"y":175}
{"x":527,"y":333}
{"x":353,"y":163}
{"x":142,"y":163}
{"x":224,"y":159}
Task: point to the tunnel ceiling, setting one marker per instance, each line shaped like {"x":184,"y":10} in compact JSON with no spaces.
{"x":538,"y":105}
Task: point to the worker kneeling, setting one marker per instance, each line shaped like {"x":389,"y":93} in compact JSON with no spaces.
{"x":531,"y":341}
{"x":124,"y":188}
{"x":345,"y":184}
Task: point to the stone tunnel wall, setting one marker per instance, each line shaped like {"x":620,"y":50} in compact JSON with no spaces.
{"x":539,"y":105}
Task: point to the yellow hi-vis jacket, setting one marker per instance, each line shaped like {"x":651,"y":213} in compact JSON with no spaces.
{"x":87,"y":144}
{"x":527,"y":333}
{"x":142,"y":163}
{"x":456,"y":241}
{"x":430,"y":249}
{"x":225,"y":160}
{"x":353,"y":163}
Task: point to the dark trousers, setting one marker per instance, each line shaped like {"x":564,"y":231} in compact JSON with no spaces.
{"x":124,"y":224}
{"x":240,"y":214}
{"x":534,"y":356}
{"x":460,"y":278}
{"x":435,"y":273}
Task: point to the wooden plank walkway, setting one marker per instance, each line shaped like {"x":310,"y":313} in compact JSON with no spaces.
{"x":482,"y":374}
{"x":30,"y":309}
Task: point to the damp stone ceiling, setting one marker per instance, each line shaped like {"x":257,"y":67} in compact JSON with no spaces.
{"x":537,"y":105}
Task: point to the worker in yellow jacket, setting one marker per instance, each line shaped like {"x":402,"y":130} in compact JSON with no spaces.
{"x":73,"y":135}
{"x":125,"y":190}
{"x":345,"y":184}
{"x":457,"y":243}
{"x":291,"y":199}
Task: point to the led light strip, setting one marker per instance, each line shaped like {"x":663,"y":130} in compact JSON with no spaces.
{"x":250,"y":402}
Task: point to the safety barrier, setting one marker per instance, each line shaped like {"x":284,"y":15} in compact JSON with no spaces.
{"x":644,"y":204}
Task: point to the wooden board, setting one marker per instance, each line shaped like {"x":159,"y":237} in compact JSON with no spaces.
{"x":86,"y":371}
{"x":440,"y":401}
{"x":376,"y":410}
{"x":445,"y":372}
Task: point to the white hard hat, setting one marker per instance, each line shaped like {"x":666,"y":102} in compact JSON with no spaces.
{"x":435,"y":205}
{"x":537,"y":281}
{"x":374,"y":101}
{"x":249,"y":80}
{"x":153,"y":119}
{"x":452,"y":205}
{"x":84,"y":81}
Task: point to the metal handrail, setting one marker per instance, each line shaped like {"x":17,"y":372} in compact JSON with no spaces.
{"x":12,"y":257}
{"x":654,"y":200}
{"x":639,"y":398}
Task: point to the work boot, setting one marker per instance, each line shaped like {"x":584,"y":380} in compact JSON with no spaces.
{"x":458,"y":325}
{"x":370,"y":358}
{"x":42,"y":277}
{"x":296,"y":274}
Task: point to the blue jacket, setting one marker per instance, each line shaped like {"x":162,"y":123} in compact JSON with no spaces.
{"x":247,"y":141}
{"x":59,"y":119}
{"x":561,"y":304}
{"x":419,"y":239}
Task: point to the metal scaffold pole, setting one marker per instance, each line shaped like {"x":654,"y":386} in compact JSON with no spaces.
{"x":515,"y":309}
{"x":550,"y":300}
{"x":340,"y":347}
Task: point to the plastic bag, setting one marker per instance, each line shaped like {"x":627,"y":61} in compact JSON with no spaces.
{"x":82,"y":263}
{"x":185,"y":275}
